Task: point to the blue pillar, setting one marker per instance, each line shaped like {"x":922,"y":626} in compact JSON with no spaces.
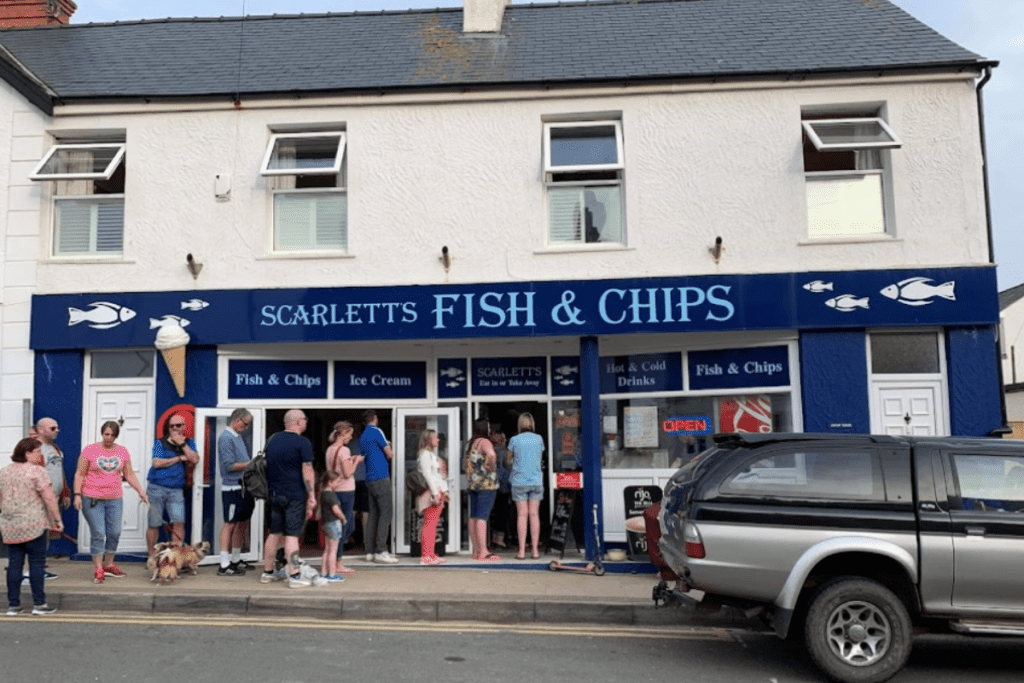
{"x":590,"y":433}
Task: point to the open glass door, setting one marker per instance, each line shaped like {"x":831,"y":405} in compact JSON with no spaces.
{"x":409,"y":424}
{"x":207,"y":508}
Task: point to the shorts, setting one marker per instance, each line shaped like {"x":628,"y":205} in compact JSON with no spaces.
{"x":163,"y":499}
{"x":287,"y":517}
{"x":238,"y":507}
{"x":332,"y":530}
{"x":480,"y":504}
{"x":527,"y":493}
{"x":362,"y":503}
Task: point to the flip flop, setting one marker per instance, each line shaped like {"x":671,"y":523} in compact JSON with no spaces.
{"x":536,"y":557}
{"x":489,"y":558}
{"x":520,"y":557}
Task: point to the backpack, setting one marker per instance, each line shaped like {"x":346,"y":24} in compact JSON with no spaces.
{"x":254,"y":478}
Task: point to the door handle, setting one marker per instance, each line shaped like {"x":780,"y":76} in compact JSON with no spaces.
{"x":974,"y":530}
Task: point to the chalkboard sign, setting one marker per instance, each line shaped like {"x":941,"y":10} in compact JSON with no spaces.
{"x":561,"y":520}
{"x":637,"y":499}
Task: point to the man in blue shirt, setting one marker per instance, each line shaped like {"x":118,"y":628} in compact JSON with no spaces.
{"x":377,"y":452}
{"x":166,"y":488}
{"x":292,"y":498}
{"x":233,"y":456}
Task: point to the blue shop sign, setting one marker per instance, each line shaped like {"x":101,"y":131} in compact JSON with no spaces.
{"x":500,"y":376}
{"x":643,"y":373}
{"x":764,"y":366}
{"x":451,"y":378}
{"x":718,"y":303}
{"x":262,"y":379}
{"x":380,"y":379}
{"x":565,"y":376}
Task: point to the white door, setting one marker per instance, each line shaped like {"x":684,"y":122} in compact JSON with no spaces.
{"x":409,"y":424}
{"x":910,"y":409}
{"x":207,"y":509}
{"x":130,"y":408}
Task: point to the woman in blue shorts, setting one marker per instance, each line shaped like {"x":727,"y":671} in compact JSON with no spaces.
{"x":525,"y":449}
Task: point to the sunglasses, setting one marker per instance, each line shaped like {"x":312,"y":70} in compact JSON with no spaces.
{"x":177,"y":424}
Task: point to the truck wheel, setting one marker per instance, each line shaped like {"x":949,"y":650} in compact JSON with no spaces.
{"x":857,"y":631}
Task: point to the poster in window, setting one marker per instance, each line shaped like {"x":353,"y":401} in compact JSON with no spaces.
{"x":640,"y":426}
{"x":751,"y":414}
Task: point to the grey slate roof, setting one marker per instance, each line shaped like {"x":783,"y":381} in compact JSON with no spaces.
{"x":538,"y":44}
{"x":1010,"y":296}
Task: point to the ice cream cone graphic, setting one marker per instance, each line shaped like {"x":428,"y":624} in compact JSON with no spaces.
{"x":171,"y":340}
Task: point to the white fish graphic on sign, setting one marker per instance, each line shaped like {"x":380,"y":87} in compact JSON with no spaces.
{"x":167,"y":320}
{"x":101,"y":316}
{"x":194,"y":305}
{"x":566,"y":369}
{"x":565,"y":382}
{"x":917,"y":292}
{"x":453,"y":384}
{"x":818,"y":286}
{"x":847,"y":303}
{"x":450,"y":372}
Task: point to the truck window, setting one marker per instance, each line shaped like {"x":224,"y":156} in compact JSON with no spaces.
{"x":990,"y":482}
{"x":810,"y":473}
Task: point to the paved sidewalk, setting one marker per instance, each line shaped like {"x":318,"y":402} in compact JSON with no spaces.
{"x":461,"y":590}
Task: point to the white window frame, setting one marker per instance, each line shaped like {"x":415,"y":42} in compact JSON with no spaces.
{"x":549,"y":168}
{"x":105,"y":174}
{"x":334,"y":169}
{"x":883,"y":172}
{"x":850,"y":145}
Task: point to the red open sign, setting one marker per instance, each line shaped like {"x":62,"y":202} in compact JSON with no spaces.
{"x":687,"y":425}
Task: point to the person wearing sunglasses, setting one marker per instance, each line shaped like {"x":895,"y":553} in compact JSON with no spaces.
{"x":166,"y":487}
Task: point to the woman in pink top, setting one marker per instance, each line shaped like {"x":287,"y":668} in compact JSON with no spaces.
{"x":98,"y":494}
{"x":340,"y":460}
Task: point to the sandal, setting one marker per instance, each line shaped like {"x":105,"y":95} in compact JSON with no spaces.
{"x":535,"y":556}
{"x":520,"y":557}
{"x":489,"y":558}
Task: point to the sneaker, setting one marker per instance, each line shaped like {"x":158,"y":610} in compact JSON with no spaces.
{"x":13,"y":611}
{"x":246,"y":565}
{"x":233,"y":569}
{"x":334,"y":578}
{"x":435,"y":560}
{"x":98,"y":577}
{"x":369,"y":557}
{"x":46,"y":576}
{"x":115,"y":571}
{"x":271,"y":577}
{"x":43,"y":609}
{"x":297,"y":581}
{"x":385,"y":558}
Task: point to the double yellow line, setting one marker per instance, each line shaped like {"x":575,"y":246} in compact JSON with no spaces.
{"x":653,"y":632}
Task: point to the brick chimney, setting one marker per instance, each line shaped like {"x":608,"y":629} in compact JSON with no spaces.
{"x":21,"y":13}
{"x":483,"y":16}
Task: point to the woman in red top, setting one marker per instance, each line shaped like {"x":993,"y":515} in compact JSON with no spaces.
{"x":98,"y":494}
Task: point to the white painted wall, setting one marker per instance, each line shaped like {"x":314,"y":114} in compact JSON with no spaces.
{"x":466,"y":172}
{"x":20,"y":149}
{"x":1011,"y":329}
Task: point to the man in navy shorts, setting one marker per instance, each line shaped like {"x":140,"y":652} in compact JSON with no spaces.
{"x":292,"y":498}
{"x":238,"y":506}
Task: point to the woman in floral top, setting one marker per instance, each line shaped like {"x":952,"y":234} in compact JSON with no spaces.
{"x":29,"y":509}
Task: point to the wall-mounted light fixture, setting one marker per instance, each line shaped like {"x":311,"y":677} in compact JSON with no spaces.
{"x":717,"y":250}
{"x":194,"y":266}
{"x":446,"y":259}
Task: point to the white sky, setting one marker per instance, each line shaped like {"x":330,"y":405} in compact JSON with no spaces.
{"x":991,"y":28}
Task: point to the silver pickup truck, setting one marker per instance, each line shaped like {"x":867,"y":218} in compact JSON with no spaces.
{"x":853,"y":541}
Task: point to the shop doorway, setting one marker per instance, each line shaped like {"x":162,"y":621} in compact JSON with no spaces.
{"x":503,"y":417}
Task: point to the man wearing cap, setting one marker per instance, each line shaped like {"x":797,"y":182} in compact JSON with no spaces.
{"x":166,"y":487}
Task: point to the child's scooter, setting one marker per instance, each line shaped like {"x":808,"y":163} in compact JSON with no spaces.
{"x":596,"y":566}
